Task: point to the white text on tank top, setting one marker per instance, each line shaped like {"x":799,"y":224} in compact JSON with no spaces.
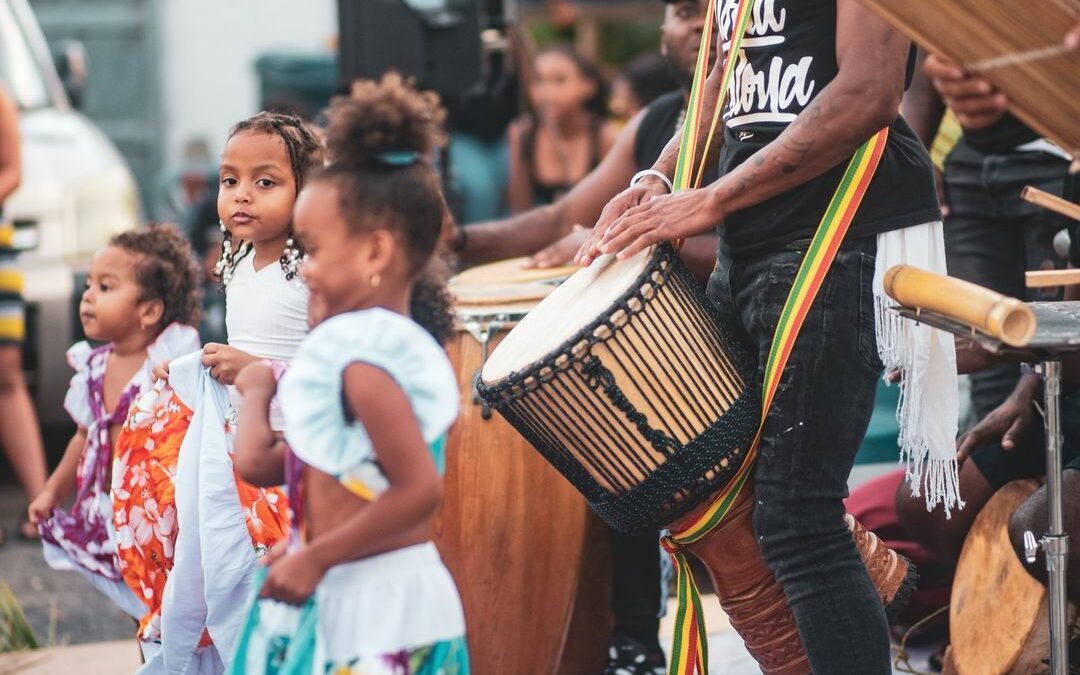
{"x":774,"y":80}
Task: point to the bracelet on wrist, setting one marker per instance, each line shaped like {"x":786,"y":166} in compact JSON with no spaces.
{"x":641,"y":175}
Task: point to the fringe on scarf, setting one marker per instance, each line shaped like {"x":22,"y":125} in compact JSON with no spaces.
{"x":935,"y":477}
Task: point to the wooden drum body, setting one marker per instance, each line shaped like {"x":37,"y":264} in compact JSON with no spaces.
{"x":998,"y":619}
{"x":510,"y":529}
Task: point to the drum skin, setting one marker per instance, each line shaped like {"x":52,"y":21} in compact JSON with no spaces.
{"x":998,"y":621}
{"x":512,"y":532}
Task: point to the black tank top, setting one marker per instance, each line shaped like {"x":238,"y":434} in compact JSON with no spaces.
{"x":548,"y":193}
{"x":788,"y":56}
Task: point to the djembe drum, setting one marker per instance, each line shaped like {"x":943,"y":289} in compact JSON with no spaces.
{"x":997,"y":617}
{"x":510,"y":530}
{"x":627,"y":380}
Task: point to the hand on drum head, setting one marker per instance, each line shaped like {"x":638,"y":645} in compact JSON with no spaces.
{"x":667,"y":218}
{"x":561,"y":252}
{"x":976,"y":102}
{"x":627,"y":199}
{"x":1006,"y":424}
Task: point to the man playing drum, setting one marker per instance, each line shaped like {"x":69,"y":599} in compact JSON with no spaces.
{"x":814,"y":80}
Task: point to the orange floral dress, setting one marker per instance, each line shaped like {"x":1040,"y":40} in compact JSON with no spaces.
{"x":144,"y":500}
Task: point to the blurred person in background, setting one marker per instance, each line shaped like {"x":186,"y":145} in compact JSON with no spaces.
{"x":19,"y":436}
{"x":565,"y":136}
{"x":641,"y":81}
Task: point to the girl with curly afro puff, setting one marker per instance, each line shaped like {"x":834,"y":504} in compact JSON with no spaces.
{"x":141,"y":301}
{"x":367,"y":403}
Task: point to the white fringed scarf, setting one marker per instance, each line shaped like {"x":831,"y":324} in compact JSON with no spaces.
{"x":926,"y":359}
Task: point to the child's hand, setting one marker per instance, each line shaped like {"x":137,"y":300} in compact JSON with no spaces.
{"x":293,"y":576}
{"x":224,"y":362}
{"x":42,"y":506}
{"x":256,"y":378}
{"x":161,"y":371}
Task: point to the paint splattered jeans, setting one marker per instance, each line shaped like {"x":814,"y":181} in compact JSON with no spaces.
{"x":814,"y":428}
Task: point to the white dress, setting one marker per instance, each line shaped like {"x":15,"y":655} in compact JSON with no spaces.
{"x":215,"y":559}
{"x":392,"y":602}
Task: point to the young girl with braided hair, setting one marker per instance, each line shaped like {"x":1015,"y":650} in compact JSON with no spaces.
{"x":367,"y":403}
{"x":176,"y":450}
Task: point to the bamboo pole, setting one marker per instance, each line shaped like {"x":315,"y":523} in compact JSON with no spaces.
{"x":999,"y":316}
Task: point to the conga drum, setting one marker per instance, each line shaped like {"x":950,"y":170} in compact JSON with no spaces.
{"x":998,"y":619}
{"x":510,"y":529}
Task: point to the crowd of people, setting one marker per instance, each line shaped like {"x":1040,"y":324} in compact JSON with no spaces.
{"x":296,"y":454}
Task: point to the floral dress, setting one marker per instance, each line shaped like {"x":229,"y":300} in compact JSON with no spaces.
{"x":83,"y":537}
{"x":180,"y":509}
{"x":395,"y":613}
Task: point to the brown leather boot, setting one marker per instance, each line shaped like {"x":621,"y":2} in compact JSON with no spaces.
{"x":749,"y":593}
{"x":894,"y":576}
{"x":755,"y":602}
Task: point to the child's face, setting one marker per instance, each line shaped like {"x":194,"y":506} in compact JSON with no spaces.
{"x":558,"y":87}
{"x":258,"y":189}
{"x":110,"y":308}
{"x":339,"y":264}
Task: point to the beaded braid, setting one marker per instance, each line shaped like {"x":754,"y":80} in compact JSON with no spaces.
{"x":305,"y":154}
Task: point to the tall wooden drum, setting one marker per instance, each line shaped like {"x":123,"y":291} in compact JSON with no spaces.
{"x":511,"y":529}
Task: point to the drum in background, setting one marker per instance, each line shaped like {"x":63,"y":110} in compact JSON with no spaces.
{"x":998,"y":620}
{"x":512,"y":271}
{"x":627,"y":381}
{"x":510,"y":529}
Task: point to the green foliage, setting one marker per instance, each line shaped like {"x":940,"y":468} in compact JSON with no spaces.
{"x":15,"y":631}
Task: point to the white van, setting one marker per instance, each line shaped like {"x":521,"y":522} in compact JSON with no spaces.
{"x":76,"y":192}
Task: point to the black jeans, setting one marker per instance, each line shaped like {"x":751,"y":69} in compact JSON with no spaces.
{"x":813,"y":430}
{"x":992,"y":237}
{"x":635,"y":588}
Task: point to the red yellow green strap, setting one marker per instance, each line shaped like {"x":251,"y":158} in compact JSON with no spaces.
{"x":688,"y":653}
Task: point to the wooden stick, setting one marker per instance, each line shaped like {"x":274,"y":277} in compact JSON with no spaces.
{"x":1051,"y":202}
{"x":999,"y":316}
{"x":1049,"y":278}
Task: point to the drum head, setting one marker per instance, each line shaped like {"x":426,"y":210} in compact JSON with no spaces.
{"x":512,"y":271}
{"x":575,"y":304}
{"x":996,"y":604}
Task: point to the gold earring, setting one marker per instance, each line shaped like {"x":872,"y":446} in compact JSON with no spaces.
{"x":375,"y":280}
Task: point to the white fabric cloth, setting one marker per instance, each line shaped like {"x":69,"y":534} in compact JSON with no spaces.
{"x":117,"y":591}
{"x":379,"y":605}
{"x":311,"y":390}
{"x":214,"y":561}
{"x":265,"y":313}
{"x":926,"y":358}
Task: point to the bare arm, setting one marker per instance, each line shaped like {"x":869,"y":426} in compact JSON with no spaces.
{"x":519,"y":191}
{"x":415,"y":491}
{"x":260,"y":452}
{"x":62,"y":481}
{"x":10,"y":157}
{"x":536,"y":228}
{"x":922,"y":107}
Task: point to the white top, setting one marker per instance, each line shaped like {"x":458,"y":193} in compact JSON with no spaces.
{"x":265,"y":314}
{"x":311,"y":391}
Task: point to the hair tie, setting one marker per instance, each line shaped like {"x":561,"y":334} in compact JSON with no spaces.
{"x":398,"y":157}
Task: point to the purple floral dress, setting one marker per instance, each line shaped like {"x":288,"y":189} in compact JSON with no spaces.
{"x":83,"y":538}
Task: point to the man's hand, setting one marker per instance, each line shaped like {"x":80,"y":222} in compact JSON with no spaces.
{"x":643,"y":192}
{"x":561,"y":252}
{"x":976,"y":103}
{"x":677,"y":216}
{"x":225,"y":362}
{"x":1005,"y":424}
